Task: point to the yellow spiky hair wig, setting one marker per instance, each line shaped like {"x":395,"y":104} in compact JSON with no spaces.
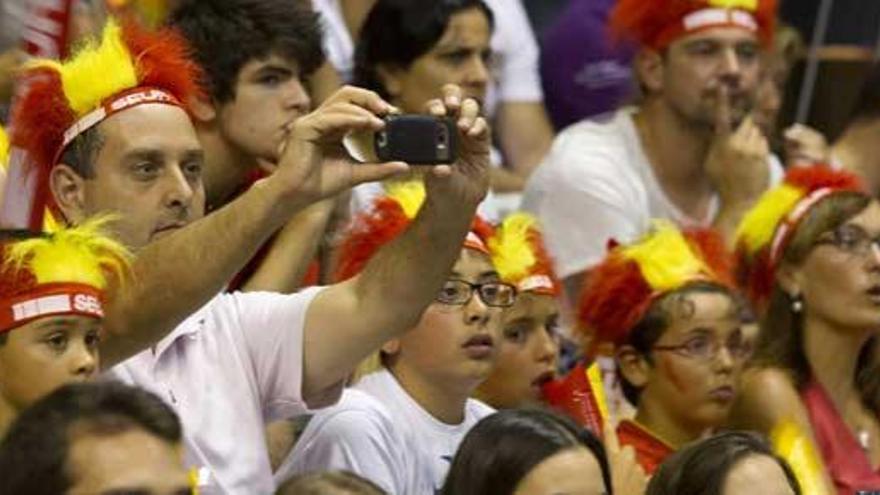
{"x":69,"y":263}
{"x":764,"y":232}
{"x":519,"y":256}
{"x":61,"y":100}
{"x":621,"y":289}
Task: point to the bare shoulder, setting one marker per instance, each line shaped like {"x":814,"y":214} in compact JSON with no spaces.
{"x":767,"y":395}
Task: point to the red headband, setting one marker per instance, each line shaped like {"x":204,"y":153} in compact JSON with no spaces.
{"x":50,"y":300}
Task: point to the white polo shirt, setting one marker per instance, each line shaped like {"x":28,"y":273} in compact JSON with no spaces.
{"x":227,"y":370}
{"x":381,"y":433}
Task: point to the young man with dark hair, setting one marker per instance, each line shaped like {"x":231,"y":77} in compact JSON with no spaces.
{"x":229,"y":363}
{"x":98,"y":438}
{"x":255,"y":55}
{"x":689,"y":151}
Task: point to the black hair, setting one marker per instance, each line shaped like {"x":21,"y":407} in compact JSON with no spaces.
{"x":336,"y":482}
{"x":702,"y":467}
{"x":501,"y":450}
{"x":227,"y":34}
{"x":34,"y":452}
{"x":661,"y":314}
{"x":397,"y":32}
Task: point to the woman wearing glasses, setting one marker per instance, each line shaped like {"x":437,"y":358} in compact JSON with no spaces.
{"x":401,"y":423}
{"x":667,"y":303}
{"x":810,"y":257}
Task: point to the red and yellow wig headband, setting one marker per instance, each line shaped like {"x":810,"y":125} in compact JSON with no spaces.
{"x":657,"y":23}
{"x":62,"y":273}
{"x":60,"y":100}
{"x":388,"y":218}
{"x":519,"y":256}
{"x":621,"y":289}
{"x":766,"y":230}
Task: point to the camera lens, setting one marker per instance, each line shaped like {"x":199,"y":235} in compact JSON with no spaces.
{"x":382,"y":139}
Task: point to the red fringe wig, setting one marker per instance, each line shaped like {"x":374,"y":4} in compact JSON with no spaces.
{"x":621,"y":289}
{"x":388,"y":218}
{"x":519,"y":255}
{"x":657,"y":23}
{"x":57,"y":95}
{"x":765,"y":231}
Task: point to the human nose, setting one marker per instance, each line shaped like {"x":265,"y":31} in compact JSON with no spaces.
{"x":546,"y":347}
{"x":476,"y":311}
{"x":84,"y":360}
{"x":179,"y":191}
{"x":296,"y":97}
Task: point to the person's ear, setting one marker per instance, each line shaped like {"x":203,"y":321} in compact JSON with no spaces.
{"x":68,"y":190}
{"x":203,"y":109}
{"x":391,"y":78}
{"x":649,"y":70}
{"x":633,"y":366}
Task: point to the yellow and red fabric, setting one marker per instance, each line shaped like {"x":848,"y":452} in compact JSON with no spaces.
{"x":62,"y":273}
{"x":519,"y":255}
{"x":657,"y":23}
{"x":766,"y":230}
{"x":389,"y":216}
{"x":621,"y":289}
{"x":129,"y":66}
{"x":650,"y":449}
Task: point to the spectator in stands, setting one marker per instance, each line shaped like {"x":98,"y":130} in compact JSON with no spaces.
{"x":523,"y":451}
{"x":95,"y":438}
{"x":669,"y":305}
{"x":400,"y":424}
{"x":584,"y":71}
{"x":52,"y":291}
{"x":528,"y":350}
{"x":735,"y":463}
{"x":255,"y":55}
{"x":689,"y":152}
{"x":263,"y":356}
{"x":514,"y":97}
{"x":808,"y":256}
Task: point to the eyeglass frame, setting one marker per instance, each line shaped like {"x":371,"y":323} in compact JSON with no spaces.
{"x":682,"y":349}
{"x":864,"y":240}
{"x":477,"y":288}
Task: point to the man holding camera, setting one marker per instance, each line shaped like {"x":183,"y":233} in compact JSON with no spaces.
{"x":114,"y":136}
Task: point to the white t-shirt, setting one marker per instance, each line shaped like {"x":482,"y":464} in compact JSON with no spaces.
{"x":227,"y":370}
{"x":381,"y":433}
{"x":597,"y":184}
{"x":513,"y":42}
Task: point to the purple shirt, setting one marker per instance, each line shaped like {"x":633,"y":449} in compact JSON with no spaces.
{"x":584,"y":72}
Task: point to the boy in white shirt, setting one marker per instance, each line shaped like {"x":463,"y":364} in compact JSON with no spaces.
{"x":400,"y":424}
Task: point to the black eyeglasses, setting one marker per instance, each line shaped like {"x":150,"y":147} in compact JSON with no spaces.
{"x":706,"y":348}
{"x":850,"y":239}
{"x":460,"y":292}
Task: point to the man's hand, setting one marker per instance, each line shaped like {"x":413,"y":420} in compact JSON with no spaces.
{"x":737,"y":160}
{"x":467,"y":180}
{"x":304,"y":173}
{"x":805,"y":146}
